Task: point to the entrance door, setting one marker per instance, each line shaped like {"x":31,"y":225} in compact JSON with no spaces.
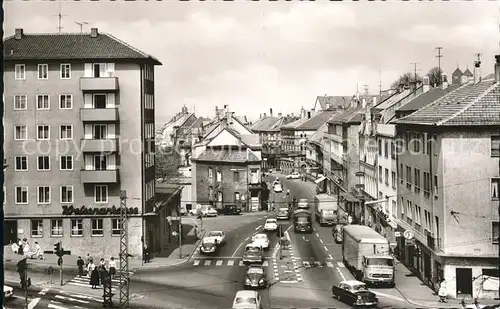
{"x":219,"y":200}
{"x":464,"y":281}
{"x":9,"y":231}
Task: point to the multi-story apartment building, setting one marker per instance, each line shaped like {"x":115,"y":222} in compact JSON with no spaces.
{"x":448,"y":192}
{"x":315,"y":157}
{"x":174,"y":129}
{"x":79,"y":129}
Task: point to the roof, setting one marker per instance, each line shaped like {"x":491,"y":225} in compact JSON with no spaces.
{"x":351,"y":115}
{"x":167,"y":190}
{"x":457,"y":72}
{"x":426,"y":98}
{"x":363,"y":231}
{"x":71,"y":46}
{"x":251,"y":140}
{"x":317,"y":137}
{"x":333,"y":101}
{"x":397,"y":97}
{"x":227,"y":155}
{"x":316,"y":121}
{"x":469,"y":105}
{"x":468,"y":73}
{"x":265,"y":124}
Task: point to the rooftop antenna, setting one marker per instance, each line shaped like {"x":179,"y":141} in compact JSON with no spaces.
{"x":81,"y":23}
{"x":439,"y":56}
{"x":415,"y":74}
{"x":380,"y":85}
{"x":60,"y":16}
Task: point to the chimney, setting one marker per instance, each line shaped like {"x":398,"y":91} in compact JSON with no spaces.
{"x":497,"y":68}
{"x":427,"y":84}
{"x":308,"y":114}
{"x":374,"y":101}
{"x":271,"y":112}
{"x":94,"y":33}
{"x":444,"y":83}
{"x":217,"y":112}
{"x":229,"y":117}
{"x":477,"y":71}
{"x":19,"y":34}
{"x":280,"y":114}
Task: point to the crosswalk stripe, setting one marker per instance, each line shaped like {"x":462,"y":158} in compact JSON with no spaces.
{"x":55,"y":306}
{"x":230,"y":263}
{"x":196,"y":262}
{"x":208,"y":262}
{"x":266,"y":263}
{"x":329,"y":264}
{"x":318,"y":264}
{"x":241,"y":263}
{"x":340,"y":264}
{"x":218,"y":263}
{"x":71,"y":299}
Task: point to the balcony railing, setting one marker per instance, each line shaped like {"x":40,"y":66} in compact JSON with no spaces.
{"x":99,"y":114}
{"x":100,"y":176}
{"x":99,"y":145}
{"x":99,"y":83}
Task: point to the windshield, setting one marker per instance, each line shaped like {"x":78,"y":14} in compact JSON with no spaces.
{"x":328,"y":212}
{"x":214,"y":234}
{"x":283,"y":209}
{"x":260,"y":237}
{"x":252,"y":249}
{"x":380,"y":262}
{"x":303,"y":200}
{"x":255,"y":270}
{"x":359,"y":287}
{"x":207,"y":242}
{"x":302,"y":220}
{"x":240,"y":300}
{"x":271,"y":221}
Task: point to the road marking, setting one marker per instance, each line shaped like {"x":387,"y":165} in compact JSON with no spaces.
{"x":340,"y":264}
{"x":196,"y":262}
{"x":288,"y":271}
{"x":389,"y":296}
{"x":230,"y":263}
{"x":258,"y":227}
{"x":321,"y":240}
{"x":238,"y":248}
{"x":71,"y":299}
{"x":43,"y":291}
{"x":265,"y":264}
{"x":341,"y":274}
{"x":318,"y":264}
{"x":317,"y":235}
{"x":208,"y":262}
{"x":55,"y":306}
{"x":218,"y":263}
{"x":329,"y":264}
{"x":33,"y":303}
{"x":289,"y":281}
{"x":330,"y":256}
{"x":326,"y":249}
{"x":241,"y":263}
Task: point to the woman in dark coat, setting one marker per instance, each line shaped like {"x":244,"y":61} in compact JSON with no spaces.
{"x":94,"y":278}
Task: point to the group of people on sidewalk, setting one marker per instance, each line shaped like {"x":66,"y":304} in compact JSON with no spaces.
{"x":22,"y":247}
{"x":97,"y":274}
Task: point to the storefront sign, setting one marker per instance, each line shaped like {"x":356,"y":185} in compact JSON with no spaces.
{"x":70,"y":210}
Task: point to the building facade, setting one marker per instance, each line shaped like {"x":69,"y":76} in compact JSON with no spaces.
{"x":78,"y":131}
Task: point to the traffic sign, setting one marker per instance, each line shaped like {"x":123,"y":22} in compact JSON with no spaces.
{"x":408,"y":234}
{"x":397,"y":234}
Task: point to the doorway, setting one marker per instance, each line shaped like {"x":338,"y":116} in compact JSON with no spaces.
{"x":464,"y":281}
{"x":9,"y":232}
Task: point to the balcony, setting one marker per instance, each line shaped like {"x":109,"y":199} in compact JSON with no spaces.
{"x":99,"y":83}
{"x":99,"y":114}
{"x":99,"y":176}
{"x":99,"y":145}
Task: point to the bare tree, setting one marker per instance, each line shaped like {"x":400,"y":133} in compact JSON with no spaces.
{"x":167,"y":162}
{"x":406,"y":80}
{"x":435,"y":78}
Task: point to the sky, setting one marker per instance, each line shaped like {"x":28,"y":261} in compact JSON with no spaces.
{"x":253,"y":56}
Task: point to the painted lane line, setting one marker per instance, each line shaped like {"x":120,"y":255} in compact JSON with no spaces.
{"x":43,"y":291}
{"x":341,"y":274}
{"x":390,"y":296}
{"x":326,"y":249}
{"x":218,"y":263}
{"x":55,"y":306}
{"x":317,"y":235}
{"x":289,"y":281}
{"x":330,"y":256}
{"x":329,"y":264}
{"x":71,"y":299}
{"x":33,"y":303}
{"x":208,"y":262}
{"x":258,"y":227}
{"x":230,"y":263}
{"x":321,"y":240}
{"x":238,"y":248}
{"x":196,"y":263}
{"x":340,"y":264}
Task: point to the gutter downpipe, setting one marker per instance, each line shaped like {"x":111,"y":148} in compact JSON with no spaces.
{"x":431,"y":155}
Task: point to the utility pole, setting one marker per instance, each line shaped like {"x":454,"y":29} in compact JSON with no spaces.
{"x":124,"y":275}
{"x":439,"y":56}
{"x":366,"y":89}
{"x":180,"y":230}
{"x":60,"y":16}
{"x":81,"y":23}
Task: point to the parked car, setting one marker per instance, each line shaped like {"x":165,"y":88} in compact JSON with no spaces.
{"x":303,"y":204}
{"x":294,"y":175}
{"x":355,"y":293}
{"x":220,"y":236}
{"x":277,"y":188}
{"x":271,"y":225}
{"x":262,"y":240}
{"x":8,"y":292}
{"x":247,"y":299}
{"x":204,"y":210}
{"x":255,"y":277}
{"x":230,"y":210}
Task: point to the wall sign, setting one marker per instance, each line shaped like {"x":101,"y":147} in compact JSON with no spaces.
{"x":70,"y":210}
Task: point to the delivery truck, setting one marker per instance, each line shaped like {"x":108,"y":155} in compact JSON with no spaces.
{"x":325,"y":209}
{"x":366,"y":253}
{"x":302,"y":221}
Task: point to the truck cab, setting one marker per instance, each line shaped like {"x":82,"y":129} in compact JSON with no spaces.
{"x":378,"y":270}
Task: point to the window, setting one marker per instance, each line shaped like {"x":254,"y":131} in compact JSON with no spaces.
{"x":236,"y":177}
{"x":101,"y":70}
{"x":394,"y":208}
{"x":43,"y":101}
{"x":416,"y":142}
{"x":76,"y":227}
{"x":36,"y":228}
{"x":65,"y":71}
{"x":393,"y":174}
{"x":427,"y":184}
{"x":402,"y":208}
{"x":43,"y":132}
{"x":43,"y":163}
{"x":210,"y":172}
{"x":409,"y":210}
{"x":418,"y":215}
{"x":97,"y":229}
{"x":408,"y":177}
{"x":427,"y":219}
{"x":116,"y":227}
{"x":66,"y":132}
{"x":237,"y":197}
{"x":495,"y":186}
{"x":393,"y":151}
{"x":99,"y":131}
{"x":219,"y":176}
{"x":434,"y":144}
{"x":101,"y":194}
{"x":210,"y":193}
{"x":20,"y":102}
{"x":43,"y":71}
{"x":401,"y":176}
{"x":100,"y":162}
{"x":100,"y":100}
{"x":380,"y":147}
{"x":495,"y":146}
{"x":386,"y":177}
{"x":21,"y":163}
{"x":66,"y":194}
{"x":65,"y":101}
{"x":417,"y":180}
{"x":494,"y":232}
{"x":20,"y":71}
{"x":435,"y":186}
{"x":21,"y":133}
{"x":22,"y":195}
{"x":380,"y":176}
{"x":425,"y":144}
{"x":43,"y":195}
{"x":66,"y":163}
{"x":56,"y":227}
{"x":386,"y":149}
{"x":407,"y":141}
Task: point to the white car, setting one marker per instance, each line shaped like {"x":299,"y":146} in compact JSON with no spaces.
{"x":294,"y":175}
{"x":277,"y":188}
{"x":271,"y":225}
{"x":247,"y":299}
{"x":204,"y":210}
{"x":8,"y":292}
{"x":220,"y":236}
{"x":303,"y":204}
{"x":262,"y":240}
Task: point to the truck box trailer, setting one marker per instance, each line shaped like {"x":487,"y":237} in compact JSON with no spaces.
{"x":325,"y":209}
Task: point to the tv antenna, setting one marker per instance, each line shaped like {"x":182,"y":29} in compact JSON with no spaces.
{"x":60,"y":16}
{"x":81,"y":24}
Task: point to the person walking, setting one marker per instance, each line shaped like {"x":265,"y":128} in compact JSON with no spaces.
{"x":38,"y":251}
{"x":112,"y":267}
{"x":90,"y":268}
{"x":20,"y":245}
{"x":94,"y":278}
{"x":146,"y":253}
{"x":442,"y":292}
{"x":102,"y":269}
{"x":79,"y":264}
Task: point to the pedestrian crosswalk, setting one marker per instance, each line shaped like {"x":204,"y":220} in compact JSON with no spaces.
{"x":85,"y":282}
{"x":311,"y":264}
{"x":225,"y":262}
{"x":64,"y":300}
{"x":239,"y":263}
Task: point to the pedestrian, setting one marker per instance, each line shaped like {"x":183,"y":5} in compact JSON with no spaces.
{"x":102,"y":269}
{"x":26,"y":251}
{"x":79,"y":264}
{"x":112,"y":267}
{"x":94,"y":278}
{"x":20,"y":245}
{"x":442,"y":292}
{"x":146,"y":253}
{"x":15,"y":247}
{"x":38,"y":251}
{"x":90,"y":268}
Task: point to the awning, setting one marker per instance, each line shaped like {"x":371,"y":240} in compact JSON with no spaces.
{"x":320,"y":179}
{"x":348,"y":196}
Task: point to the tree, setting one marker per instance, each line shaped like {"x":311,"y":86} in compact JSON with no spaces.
{"x":407,"y":80}
{"x":167,"y":162}
{"x":435,"y":78}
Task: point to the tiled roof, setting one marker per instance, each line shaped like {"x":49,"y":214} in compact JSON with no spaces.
{"x":317,"y":137}
{"x":264,"y":124}
{"x":393,"y":99}
{"x":227,"y":155}
{"x":351,"y":115}
{"x":468,"y":73}
{"x":457,"y":72}
{"x":469,"y":105}
{"x":251,"y":140}
{"x":294,"y":124}
{"x":426,"y":98}
{"x":71,"y":46}
{"x":316,"y":120}
{"x":333,"y":101}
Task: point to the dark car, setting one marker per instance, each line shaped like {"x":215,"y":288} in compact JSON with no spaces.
{"x":355,"y":293}
{"x":255,"y":277}
{"x":230,"y":210}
